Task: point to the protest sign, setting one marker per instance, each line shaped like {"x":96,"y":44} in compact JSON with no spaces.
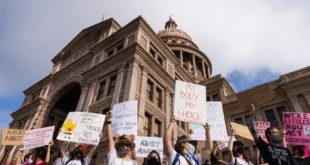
{"x":260,"y":127}
{"x":257,"y":96}
{"x":12,"y":136}
{"x":144,"y":145}
{"x":188,"y":102}
{"x":199,"y":132}
{"x":215,"y":117}
{"x":38,"y":137}
{"x":242,"y":130}
{"x":224,"y":143}
{"x":124,"y":119}
{"x":297,"y":127}
{"x":82,"y":127}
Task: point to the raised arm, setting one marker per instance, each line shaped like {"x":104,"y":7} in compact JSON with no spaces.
{"x":283,"y":142}
{"x":230,"y":146}
{"x":19,"y":156}
{"x":256,"y":156}
{"x":167,"y":137}
{"x":109,"y":131}
{"x":9,"y":159}
{"x":215,"y":148}
{"x":251,"y":124}
{"x":62,"y":150}
{"x":133,"y":152}
{"x":209,"y":144}
{"x":48,"y":153}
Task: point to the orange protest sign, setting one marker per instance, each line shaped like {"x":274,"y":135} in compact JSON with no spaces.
{"x":242,"y":130}
{"x":12,"y":136}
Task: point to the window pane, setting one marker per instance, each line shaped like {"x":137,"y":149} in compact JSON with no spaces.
{"x":158,"y":98}
{"x":146,"y":127}
{"x":112,"y":85}
{"x":215,"y":97}
{"x":149,"y":90}
{"x":69,"y":60}
{"x":247,"y":120}
{"x":131,"y":39}
{"x":208,"y":98}
{"x":280,"y":111}
{"x":271,"y":118}
{"x":157,"y":129}
{"x":239,"y":120}
{"x":101,"y":90}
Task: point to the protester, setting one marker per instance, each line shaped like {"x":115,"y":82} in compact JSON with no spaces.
{"x":299,"y":153}
{"x":182,"y":153}
{"x":272,"y":152}
{"x":77,"y":156}
{"x":9,"y":158}
{"x":236,"y":154}
{"x":214,"y":160}
{"x":152,"y":159}
{"x":119,"y":151}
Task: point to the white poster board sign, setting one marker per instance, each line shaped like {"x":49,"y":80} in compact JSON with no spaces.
{"x":38,"y":137}
{"x":199,"y":132}
{"x":124,"y":119}
{"x":215,"y":117}
{"x":144,"y":145}
{"x":223,"y":144}
{"x":188,"y":102}
{"x":82,"y":127}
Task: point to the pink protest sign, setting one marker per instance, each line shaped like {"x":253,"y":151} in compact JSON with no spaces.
{"x":38,"y":137}
{"x":297,"y":127}
{"x":260,"y":127}
{"x":190,"y":102}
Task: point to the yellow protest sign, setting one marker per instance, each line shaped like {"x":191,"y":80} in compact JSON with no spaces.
{"x":242,"y":130}
{"x":12,"y":136}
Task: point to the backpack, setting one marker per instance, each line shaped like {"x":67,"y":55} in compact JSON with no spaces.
{"x":177,"y":159}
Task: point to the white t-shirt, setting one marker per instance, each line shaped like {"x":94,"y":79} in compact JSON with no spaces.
{"x":57,"y":162}
{"x":75,"y":162}
{"x":114,"y":159}
{"x":239,"y":162}
{"x":182,"y":159}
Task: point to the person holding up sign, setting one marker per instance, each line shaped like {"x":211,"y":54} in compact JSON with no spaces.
{"x":236,"y":154}
{"x":272,"y":152}
{"x":77,"y":156}
{"x":118,"y":152}
{"x":182,"y":153}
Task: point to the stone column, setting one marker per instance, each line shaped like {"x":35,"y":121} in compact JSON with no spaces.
{"x":130,"y":87}
{"x":90,"y":96}
{"x":204,"y":69}
{"x":141,"y":114}
{"x":118,"y":85}
{"x":295,"y":103}
{"x":181,"y":57}
{"x":79,"y":107}
{"x":209,"y":71}
{"x":152,"y":125}
{"x":194,"y":63}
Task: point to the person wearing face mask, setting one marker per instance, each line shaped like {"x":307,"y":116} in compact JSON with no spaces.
{"x":183,"y":151}
{"x":272,"y":152}
{"x":119,"y":151}
{"x":152,"y":159}
{"x":77,"y":156}
{"x":236,"y":154}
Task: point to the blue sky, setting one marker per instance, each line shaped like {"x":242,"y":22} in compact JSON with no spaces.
{"x":249,"y":42}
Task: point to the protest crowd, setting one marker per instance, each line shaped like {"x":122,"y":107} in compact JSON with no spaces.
{"x":80,"y":134}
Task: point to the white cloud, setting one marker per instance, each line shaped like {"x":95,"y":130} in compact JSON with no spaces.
{"x":236,"y":35}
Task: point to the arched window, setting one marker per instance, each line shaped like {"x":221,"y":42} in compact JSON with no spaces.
{"x":303,"y":103}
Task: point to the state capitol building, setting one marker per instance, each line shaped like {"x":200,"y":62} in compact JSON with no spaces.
{"x":107,"y":64}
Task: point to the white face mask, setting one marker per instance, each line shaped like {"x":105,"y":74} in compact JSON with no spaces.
{"x":191,"y":149}
{"x":30,"y":161}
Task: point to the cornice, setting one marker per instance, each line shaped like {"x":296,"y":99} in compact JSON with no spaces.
{"x":154,"y":109}
{"x":178,"y":37}
{"x":295,"y":83}
{"x":35,"y":87}
{"x":101,"y":103}
{"x":28,"y":109}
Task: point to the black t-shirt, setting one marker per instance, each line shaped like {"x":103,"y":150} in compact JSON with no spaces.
{"x":303,"y":161}
{"x":274,"y":155}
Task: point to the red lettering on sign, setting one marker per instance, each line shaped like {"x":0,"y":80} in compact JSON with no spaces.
{"x":189,"y":115}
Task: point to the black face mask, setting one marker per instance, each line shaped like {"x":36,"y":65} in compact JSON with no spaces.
{"x":78,"y":154}
{"x":152,"y":161}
